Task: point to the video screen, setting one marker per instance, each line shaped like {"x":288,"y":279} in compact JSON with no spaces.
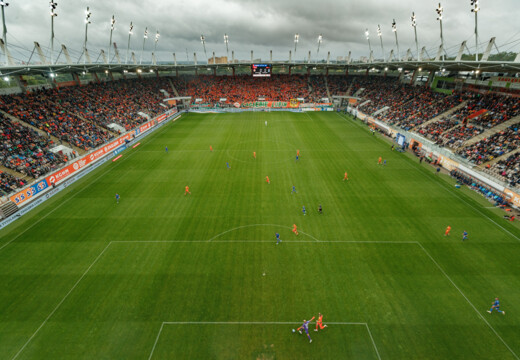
{"x":261,"y":70}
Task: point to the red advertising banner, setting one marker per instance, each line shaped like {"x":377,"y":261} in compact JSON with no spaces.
{"x":477,"y":113}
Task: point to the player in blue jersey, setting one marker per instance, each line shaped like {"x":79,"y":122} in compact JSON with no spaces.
{"x":227,"y":165}
{"x":166,"y":149}
{"x":303,"y":210}
{"x":294,"y":189}
{"x":278,"y":240}
{"x":464,"y":235}
{"x":305,"y":326}
{"x":117,"y":198}
{"x":496,"y":305}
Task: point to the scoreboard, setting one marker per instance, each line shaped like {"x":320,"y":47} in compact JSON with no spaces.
{"x":261,"y":70}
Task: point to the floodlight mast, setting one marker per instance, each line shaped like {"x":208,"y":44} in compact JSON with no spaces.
{"x":367,"y":34}
{"x":380,"y":34}
{"x":130,"y":33}
{"x":226,"y":41}
{"x":157,"y":36}
{"x":112,"y":26}
{"x":144,"y":40}
{"x":88,"y":14}
{"x":4,"y":4}
{"x":394,"y":29}
{"x":52,"y":6}
{"x":296,"y":40}
{"x":440,"y":10}
{"x":203,"y":41}
{"x":475,"y":9}
{"x":414,"y":25}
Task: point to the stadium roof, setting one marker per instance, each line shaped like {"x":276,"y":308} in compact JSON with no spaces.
{"x":448,"y":66}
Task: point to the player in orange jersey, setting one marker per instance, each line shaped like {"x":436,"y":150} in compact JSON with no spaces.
{"x":379,"y":162}
{"x":267,"y":179}
{"x":294,"y":229}
{"x":345,"y":177}
{"x":298,"y":153}
{"x":254,"y":154}
{"x":319,"y":322}
{"x":447,"y":232}
{"x":210,"y":148}
{"x":187,"y":190}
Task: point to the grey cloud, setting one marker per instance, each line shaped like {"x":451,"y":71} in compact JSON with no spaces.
{"x":258,"y":26}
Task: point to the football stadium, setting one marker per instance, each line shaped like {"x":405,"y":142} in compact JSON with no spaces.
{"x":277,"y":182}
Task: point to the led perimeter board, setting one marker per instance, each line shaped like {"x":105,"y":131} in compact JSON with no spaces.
{"x":261,"y":70}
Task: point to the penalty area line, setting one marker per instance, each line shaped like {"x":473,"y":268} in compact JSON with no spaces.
{"x":255,"y":323}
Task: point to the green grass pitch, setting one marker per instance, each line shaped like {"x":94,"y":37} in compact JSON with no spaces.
{"x":163,"y":275}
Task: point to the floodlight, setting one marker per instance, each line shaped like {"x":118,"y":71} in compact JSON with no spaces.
{"x":146,"y":33}
{"x":157,"y":35}
{"x":52,"y":6}
{"x":414,"y":20}
{"x":296,"y":37}
{"x":202,"y":39}
{"x":439,"y":10}
{"x":379,"y":33}
{"x":6,"y":78}
{"x":474,"y":3}
{"x":88,"y":14}
{"x":131,"y":28}
{"x":419,"y":69}
{"x":112,"y":23}
{"x":320,"y":38}
{"x":226,"y":39}
{"x":4,"y":3}
{"x":394,"y":26}
{"x":367,"y":34}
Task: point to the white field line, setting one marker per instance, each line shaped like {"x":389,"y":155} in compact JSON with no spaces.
{"x":77,"y":193}
{"x":156,"y":340}
{"x":269,"y":241}
{"x":251,"y":225}
{"x":373,"y":342}
{"x":254,"y":323}
{"x":467,"y":300}
{"x":61,"y":302}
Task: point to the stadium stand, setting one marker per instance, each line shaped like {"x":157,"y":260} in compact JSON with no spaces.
{"x":25,"y":151}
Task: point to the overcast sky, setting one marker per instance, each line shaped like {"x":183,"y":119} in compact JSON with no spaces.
{"x":259,"y":26}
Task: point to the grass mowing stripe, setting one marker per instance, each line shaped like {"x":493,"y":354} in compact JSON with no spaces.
{"x":454,"y":194}
{"x":61,"y":302}
{"x":468,"y":301}
{"x":83,"y":189}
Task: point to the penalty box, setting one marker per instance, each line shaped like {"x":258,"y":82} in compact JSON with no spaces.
{"x":262,"y":340}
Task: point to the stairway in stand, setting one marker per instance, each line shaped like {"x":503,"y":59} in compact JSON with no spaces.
{"x":8,"y":209}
